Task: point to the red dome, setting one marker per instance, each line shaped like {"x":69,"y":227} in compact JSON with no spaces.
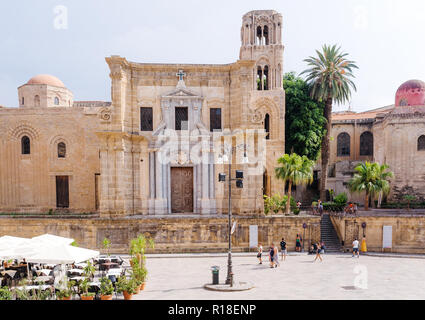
{"x":410,"y":93}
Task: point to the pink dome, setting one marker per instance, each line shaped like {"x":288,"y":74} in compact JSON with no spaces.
{"x":410,"y":93}
{"x":46,"y":79}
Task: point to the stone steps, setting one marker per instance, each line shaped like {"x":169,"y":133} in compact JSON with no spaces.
{"x":329,"y":235}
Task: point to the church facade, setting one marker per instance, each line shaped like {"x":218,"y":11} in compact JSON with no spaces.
{"x":157,"y":148}
{"x":394,"y":135}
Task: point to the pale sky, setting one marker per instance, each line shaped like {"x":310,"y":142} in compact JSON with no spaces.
{"x":384,"y":37}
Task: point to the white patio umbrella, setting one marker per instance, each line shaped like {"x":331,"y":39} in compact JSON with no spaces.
{"x":61,"y":254}
{"x":9,"y":242}
{"x":52,"y":239}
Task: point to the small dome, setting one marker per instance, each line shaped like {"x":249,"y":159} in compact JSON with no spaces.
{"x":46,"y":79}
{"x":410,"y":93}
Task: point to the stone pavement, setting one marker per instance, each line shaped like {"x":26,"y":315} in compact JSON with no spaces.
{"x":182,"y":278}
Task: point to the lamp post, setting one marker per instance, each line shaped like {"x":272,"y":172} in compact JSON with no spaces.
{"x":227,"y":157}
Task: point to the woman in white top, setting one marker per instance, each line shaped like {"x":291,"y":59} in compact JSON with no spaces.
{"x":260,"y":253}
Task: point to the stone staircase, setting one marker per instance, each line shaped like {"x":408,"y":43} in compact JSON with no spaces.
{"x":328,"y":235}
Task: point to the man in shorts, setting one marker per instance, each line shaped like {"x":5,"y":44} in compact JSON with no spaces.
{"x":283,"y":248}
{"x":356,"y":248}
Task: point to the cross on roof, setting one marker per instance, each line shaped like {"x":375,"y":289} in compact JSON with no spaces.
{"x":180,"y":74}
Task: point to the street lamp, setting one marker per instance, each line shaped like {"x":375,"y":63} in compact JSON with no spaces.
{"x":239,"y":184}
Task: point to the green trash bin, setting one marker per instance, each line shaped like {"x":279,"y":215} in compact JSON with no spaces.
{"x":215,"y":274}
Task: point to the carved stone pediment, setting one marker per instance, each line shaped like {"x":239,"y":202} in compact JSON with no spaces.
{"x":181,"y":93}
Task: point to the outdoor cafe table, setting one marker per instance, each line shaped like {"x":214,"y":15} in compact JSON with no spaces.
{"x":75,"y":271}
{"x":109,"y":265}
{"x":77,"y":279}
{"x":114,"y":272}
{"x":43,"y":287}
{"x":80,"y":265}
{"x":43,"y":279}
{"x":42,"y":272}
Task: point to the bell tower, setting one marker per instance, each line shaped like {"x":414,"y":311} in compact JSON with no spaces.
{"x":261,"y":37}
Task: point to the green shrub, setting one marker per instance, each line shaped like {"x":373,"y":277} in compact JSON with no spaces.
{"x":341,"y":199}
{"x":333,"y":207}
{"x":5,"y":293}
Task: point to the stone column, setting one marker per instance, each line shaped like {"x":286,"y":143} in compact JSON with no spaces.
{"x":160,"y":182}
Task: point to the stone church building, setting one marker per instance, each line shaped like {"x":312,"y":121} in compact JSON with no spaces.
{"x":157,"y":148}
{"x":394,"y":135}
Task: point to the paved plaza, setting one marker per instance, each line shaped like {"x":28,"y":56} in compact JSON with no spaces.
{"x":339,"y":276}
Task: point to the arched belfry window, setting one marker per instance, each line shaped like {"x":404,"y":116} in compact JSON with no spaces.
{"x":61,"y":150}
{"x":56,"y":101}
{"x":266,"y":35}
{"x":266,"y":78}
{"x":259,"y":77}
{"x":259,"y":36}
{"x":343,"y":145}
{"x":267,"y":126}
{"x":421,"y":143}
{"x":25,"y":145}
{"x":366,"y":144}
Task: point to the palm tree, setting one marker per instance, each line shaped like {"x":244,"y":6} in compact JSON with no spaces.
{"x":295,"y":170}
{"x":329,"y":80}
{"x":371,"y":178}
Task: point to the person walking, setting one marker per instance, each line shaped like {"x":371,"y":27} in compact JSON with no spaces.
{"x":320,"y":206}
{"x":260,"y":253}
{"x":356,"y":248}
{"x":298,"y":243}
{"x":283,"y":248}
{"x":271,"y":256}
{"x":318,"y":249}
{"x":276,"y":257}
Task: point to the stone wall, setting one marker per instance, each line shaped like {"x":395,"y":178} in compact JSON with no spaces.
{"x":408,"y":232}
{"x":171,"y":234}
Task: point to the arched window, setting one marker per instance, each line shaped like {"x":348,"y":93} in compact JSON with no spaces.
{"x":267,"y":125}
{"x":25,"y":145}
{"x":259,"y":36}
{"x":61,"y":150}
{"x":23,"y":101}
{"x":366,"y":144}
{"x":266,"y":78}
{"x":421,"y":143}
{"x":259,"y":77}
{"x":56,"y":101}
{"x":37,"y":101}
{"x":343,"y":145}
{"x":266,"y":35}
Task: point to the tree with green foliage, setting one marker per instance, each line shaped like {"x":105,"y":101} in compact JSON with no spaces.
{"x":371,"y":178}
{"x":409,"y":198}
{"x":329,"y":78}
{"x":304,"y":120}
{"x":295,"y":170}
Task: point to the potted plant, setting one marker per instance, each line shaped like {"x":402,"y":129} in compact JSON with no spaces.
{"x":89,"y":270}
{"x":139,"y":274}
{"x":126,"y":287}
{"x":138,"y":247}
{"x":84,"y":287}
{"x":66,"y":294}
{"x":106,"y":245}
{"x":106,"y":289}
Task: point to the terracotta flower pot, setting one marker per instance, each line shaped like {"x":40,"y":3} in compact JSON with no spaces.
{"x":66,"y":298}
{"x":127,"y":296}
{"x":142,"y":286}
{"x":87,"y":298}
{"x":106,"y":297}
